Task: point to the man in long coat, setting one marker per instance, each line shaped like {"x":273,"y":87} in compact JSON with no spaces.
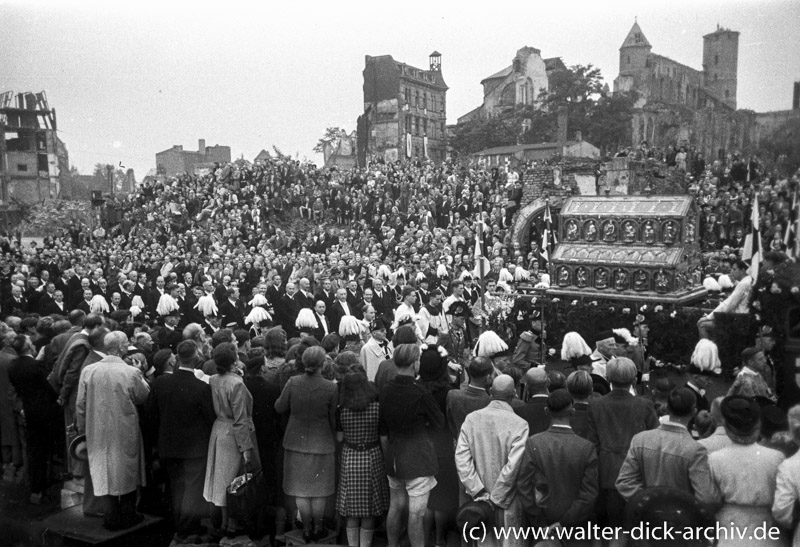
{"x":108,"y":393}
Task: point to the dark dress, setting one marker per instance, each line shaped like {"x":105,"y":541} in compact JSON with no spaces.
{"x":363,"y":487}
{"x":267,"y":423}
{"x":444,"y":496}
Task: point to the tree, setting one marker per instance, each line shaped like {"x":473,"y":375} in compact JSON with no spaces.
{"x":331,"y":136}
{"x":609,"y":124}
{"x":782,"y":148}
{"x":579,"y":89}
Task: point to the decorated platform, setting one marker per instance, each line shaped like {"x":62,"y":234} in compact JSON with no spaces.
{"x":639,"y":248}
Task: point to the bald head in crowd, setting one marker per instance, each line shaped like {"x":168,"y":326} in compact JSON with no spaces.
{"x":536,"y":380}
{"x":503,"y":388}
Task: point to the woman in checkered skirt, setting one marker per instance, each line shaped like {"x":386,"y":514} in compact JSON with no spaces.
{"x":363,"y":487}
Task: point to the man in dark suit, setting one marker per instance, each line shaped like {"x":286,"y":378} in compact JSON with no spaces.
{"x":323,"y":324}
{"x":461,"y":402}
{"x":274,"y":291}
{"x":84,"y":305}
{"x":286,"y":310}
{"x":340,"y":308}
{"x":231,"y":310}
{"x":613,"y":421}
{"x":155,"y":295}
{"x":16,"y":304}
{"x":533,"y":412}
{"x":382,"y":301}
{"x":181,"y":411}
{"x":563,"y":466}
{"x":326,"y":294}
{"x":54,"y":306}
{"x":168,"y":336}
{"x":303,"y":296}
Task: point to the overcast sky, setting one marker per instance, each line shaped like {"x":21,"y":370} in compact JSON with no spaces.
{"x":132,"y":80}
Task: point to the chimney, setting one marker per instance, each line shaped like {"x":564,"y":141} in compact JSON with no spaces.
{"x":578,"y":136}
{"x":796,"y":97}
{"x":202,"y":146}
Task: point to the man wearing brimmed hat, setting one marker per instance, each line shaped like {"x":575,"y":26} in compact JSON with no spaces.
{"x":377,"y":349}
{"x":669,"y":456}
{"x":488,"y":452}
{"x":558,"y":478}
{"x":613,"y":421}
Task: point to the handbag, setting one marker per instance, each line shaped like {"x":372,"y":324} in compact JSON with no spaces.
{"x":245,"y":496}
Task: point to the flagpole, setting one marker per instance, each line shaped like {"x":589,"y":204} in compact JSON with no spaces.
{"x":483,"y":274}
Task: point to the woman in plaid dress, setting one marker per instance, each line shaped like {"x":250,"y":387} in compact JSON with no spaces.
{"x":363,"y":488}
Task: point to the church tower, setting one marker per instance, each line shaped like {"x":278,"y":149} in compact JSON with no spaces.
{"x":633,"y":52}
{"x":720,"y":64}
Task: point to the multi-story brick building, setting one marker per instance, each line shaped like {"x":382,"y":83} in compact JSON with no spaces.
{"x":177,"y":160}
{"x":405,"y":109}
{"x":32,"y":157}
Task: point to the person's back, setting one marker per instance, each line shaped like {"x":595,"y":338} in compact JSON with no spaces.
{"x":461,"y":402}
{"x":558,"y":480}
{"x":181,"y":407}
{"x":668,"y":456}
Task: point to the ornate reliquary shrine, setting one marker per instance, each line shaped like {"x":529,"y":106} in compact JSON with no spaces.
{"x":629,"y":247}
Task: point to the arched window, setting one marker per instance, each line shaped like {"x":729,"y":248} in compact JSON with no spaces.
{"x":509,"y":95}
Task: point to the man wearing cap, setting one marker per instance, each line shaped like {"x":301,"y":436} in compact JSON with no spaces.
{"x":168,"y":336}
{"x":605,"y":349}
{"x":558,"y":478}
{"x":613,"y":421}
{"x":376,"y":350}
{"x":489,"y":449}
{"x":669,"y":456}
{"x":738,"y":301}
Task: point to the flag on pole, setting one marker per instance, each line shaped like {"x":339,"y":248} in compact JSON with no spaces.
{"x":548,"y":236}
{"x":752,"y":243}
{"x":790,"y":237}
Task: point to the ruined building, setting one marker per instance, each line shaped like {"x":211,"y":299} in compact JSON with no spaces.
{"x":680,"y":105}
{"x":32,"y":157}
{"x":520,"y":83}
{"x":177,"y":160}
{"x":404,"y":111}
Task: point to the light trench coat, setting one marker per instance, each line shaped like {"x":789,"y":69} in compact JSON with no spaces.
{"x":108,"y":392}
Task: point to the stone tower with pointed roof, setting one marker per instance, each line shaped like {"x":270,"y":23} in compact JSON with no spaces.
{"x":634,"y":51}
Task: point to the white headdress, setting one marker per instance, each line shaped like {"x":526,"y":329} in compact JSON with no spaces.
{"x":706,"y":355}
{"x":98,"y":304}
{"x":349,"y":325}
{"x":489,"y":345}
{"x":166,"y":304}
{"x":206,"y":305}
{"x":574,"y":346}
{"x":258,"y":300}
{"x":257,"y":315}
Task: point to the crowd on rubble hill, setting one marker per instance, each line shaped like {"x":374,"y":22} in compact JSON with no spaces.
{"x":326,"y":327}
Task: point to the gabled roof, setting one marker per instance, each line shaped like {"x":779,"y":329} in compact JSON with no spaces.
{"x":635,"y":38}
{"x":497,"y":75}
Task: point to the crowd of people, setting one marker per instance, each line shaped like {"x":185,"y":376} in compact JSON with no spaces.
{"x":207,"y":336}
